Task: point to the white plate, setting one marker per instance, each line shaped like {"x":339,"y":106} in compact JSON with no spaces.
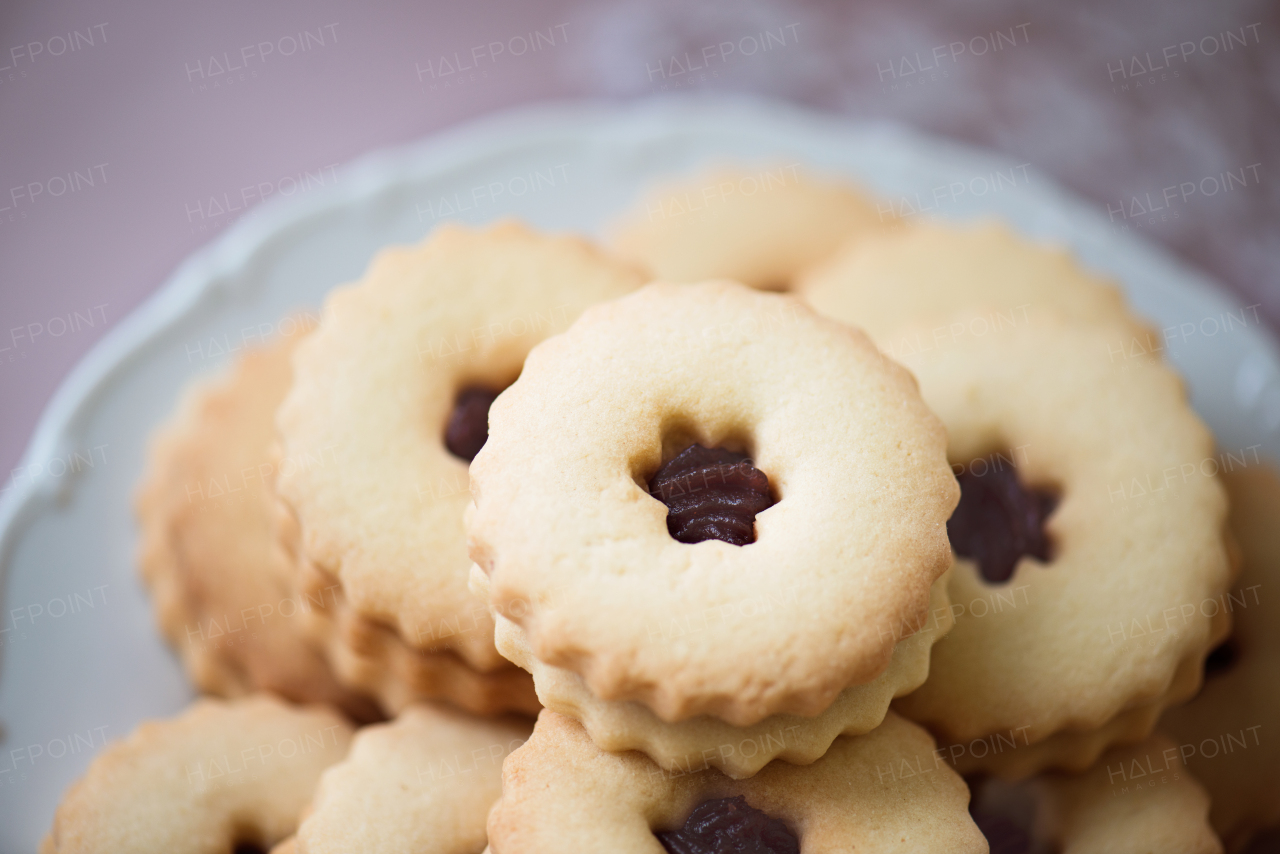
{"x":82,"y":659}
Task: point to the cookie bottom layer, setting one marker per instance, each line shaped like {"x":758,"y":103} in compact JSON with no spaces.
{"x":702,"y":742}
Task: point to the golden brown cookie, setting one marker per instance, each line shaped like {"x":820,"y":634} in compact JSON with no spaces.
{"x":1081,"y":486}
{"x":221,"y":583}
{"x":1228,"y":734}
{"x":592,"y":534}
{"x":394,"y":367}
{"x":972,"y":280}
{"x":886,"y":791}
{"x":423,"y":782}
{"x":759,"y":227}
{"x":221,"y":774}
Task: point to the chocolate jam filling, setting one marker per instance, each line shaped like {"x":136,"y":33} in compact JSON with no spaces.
{"x":729,"y":826}
{"x":468,"y":427}
{"x":999,"y":520}
{"x":711,"y":494}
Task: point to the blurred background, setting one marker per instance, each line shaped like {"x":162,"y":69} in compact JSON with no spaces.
{"x":133,"y":132}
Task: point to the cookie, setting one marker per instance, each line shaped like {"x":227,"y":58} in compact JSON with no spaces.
{"x":220,"y":582}
{"x":222,"y":774}
{"x":979,"y":278}
{"x":423,"y":782}
{"x":886,"y":791}
{"x":1227,"y":733}
{"x":1088,"y":523}
{"x":632,"y":457}
{"x":707,"y":742}
{"x":374,"y":659}
{"x":385,"y":388}
{"x":1137,"y":799}
{"x":759,"y":227}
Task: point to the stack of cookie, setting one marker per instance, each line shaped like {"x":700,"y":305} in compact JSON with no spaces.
{"x":873,"y":564}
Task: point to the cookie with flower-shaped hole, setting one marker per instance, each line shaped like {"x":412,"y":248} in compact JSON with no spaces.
{"x":223,"y":775}
{"x":1080,"y":485}
{"x":886,"y":791}
{"x":709,"y":501}
{"x":392,"y":390}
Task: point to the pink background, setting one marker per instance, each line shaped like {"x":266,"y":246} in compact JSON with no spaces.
{"x":139,"y":108}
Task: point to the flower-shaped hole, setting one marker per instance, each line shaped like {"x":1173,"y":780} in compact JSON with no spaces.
{"x":712,"y":490}
{"x":1000,"y":519}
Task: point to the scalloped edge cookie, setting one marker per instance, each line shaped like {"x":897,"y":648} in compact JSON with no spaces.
{"x":374,"y":385}
{"x":738,"y":752}
{"x":373,"y":658}
{"x":221,"y":586}
{"x":1087,"y":431}
{"x":578,"y":553}
{"x":221,"y":773}
{"x":423,"y":782}
{"x":885,"y":791}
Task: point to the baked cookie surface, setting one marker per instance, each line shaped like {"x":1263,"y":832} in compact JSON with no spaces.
{"x":886,"y":791}
{"x":221,"y":774}
{"x":375,"y":391}
{"x":423,"y":782}
{"x":221,"y":584}
{"x":584,"y":556}
{"x":976,"y":278}
{"x":1108,"y":628}
{"x":759,"y":227}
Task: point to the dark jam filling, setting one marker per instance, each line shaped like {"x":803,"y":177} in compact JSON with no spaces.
{"x":711,"y":494}
{"x":248,"y":848}
{"x":1222,"y":659}
{"x":729,"y":826}
{"x":468,"y":427}
{"x":998,"y":521}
